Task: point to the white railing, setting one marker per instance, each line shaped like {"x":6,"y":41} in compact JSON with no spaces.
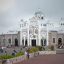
{"x":47,"y":52}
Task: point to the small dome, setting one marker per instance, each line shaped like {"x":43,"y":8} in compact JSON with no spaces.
{"x":39,"y":14}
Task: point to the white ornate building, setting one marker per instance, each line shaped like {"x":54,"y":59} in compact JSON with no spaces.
{"x":34,"y":31}
{"x":37,"y":31}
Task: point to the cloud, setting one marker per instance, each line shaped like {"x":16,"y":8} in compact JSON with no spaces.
{"x":12,"y":11}
{"x":6,"y":5}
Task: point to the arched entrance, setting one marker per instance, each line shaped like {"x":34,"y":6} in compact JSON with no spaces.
{"x":59,"y":42}
{"x":33,"y":42}
{"x":23,"y":42}
{"x":26,"y":42}
{"x":16,"y":42}
{"x":42,"y":42}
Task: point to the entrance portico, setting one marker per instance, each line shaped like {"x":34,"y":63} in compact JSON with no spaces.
{"x":33,"y":41}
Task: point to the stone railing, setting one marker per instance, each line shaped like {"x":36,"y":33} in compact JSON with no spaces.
{"x":21,"y":58}
{"x":13,"y":60}
{"x":59,"y":51}
{"x":47,"y":52}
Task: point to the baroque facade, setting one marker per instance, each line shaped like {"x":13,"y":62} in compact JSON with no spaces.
{"x":37,"y":31}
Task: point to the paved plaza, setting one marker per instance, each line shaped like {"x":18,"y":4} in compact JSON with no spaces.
{"x":45,"y":59}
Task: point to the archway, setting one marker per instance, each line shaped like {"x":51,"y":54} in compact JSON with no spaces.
{"x":34,"y":42}
{"x":23,"y":42}
{"x":26,"y":42}
{"x":59,"y":42}
{"x":16,"y":42}
{"x":9,"y":40}
{"x":42,"y":42}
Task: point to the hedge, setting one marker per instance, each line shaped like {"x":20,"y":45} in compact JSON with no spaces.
{"x":19,"y":54}
{"x":6,"y":57}
{"x":11,"y":56}
{"x":33,"y":49}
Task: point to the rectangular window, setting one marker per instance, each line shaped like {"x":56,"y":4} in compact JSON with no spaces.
{"x":53,"y":40}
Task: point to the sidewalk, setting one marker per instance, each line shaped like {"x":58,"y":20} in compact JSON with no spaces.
{"x":45,"y":59}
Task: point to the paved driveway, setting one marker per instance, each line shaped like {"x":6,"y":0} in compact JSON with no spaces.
{"x":45,"y":59}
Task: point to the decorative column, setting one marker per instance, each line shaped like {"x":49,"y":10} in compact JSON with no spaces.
{"x":21,"y":38}
{"x":39,"y":37}
{"x":20,"y":35}
{"x":47,"y":35}
{"x":28,"y":38}
{"x":30,"y":42}
{"x":28,"y":35}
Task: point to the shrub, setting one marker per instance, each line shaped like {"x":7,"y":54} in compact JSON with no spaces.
{"x":39,"y":48}
{"x":47,"y":48}
{"x":6,"y":56}
{"x":11,"y":56}
{"x":43,"y":48}
{"x":33,"y":49}
{"x":19,"y":54}
{"x":52,"y":47}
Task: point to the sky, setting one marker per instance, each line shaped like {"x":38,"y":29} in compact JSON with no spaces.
{"x":12,"y":11}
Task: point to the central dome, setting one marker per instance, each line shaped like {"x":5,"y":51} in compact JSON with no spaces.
{"x":39,"y":14}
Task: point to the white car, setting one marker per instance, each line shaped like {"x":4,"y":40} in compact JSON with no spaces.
{"x":3,"y":47}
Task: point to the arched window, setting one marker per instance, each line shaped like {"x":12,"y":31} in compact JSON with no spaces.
{"x":4,"y":41}
{"x":53,"y":40}
{"x":9,"y":40}
{"x":42,"y":17}
{"x":59,"y":41}
{"x":22,"y":41}
{"x":36,"y":31}
{"x":26,"y":42}
{"x":42,"y":42}
{"x":16,"y":42}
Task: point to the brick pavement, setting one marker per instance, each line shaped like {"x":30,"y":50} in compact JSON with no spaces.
{"x":45,"y":59}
